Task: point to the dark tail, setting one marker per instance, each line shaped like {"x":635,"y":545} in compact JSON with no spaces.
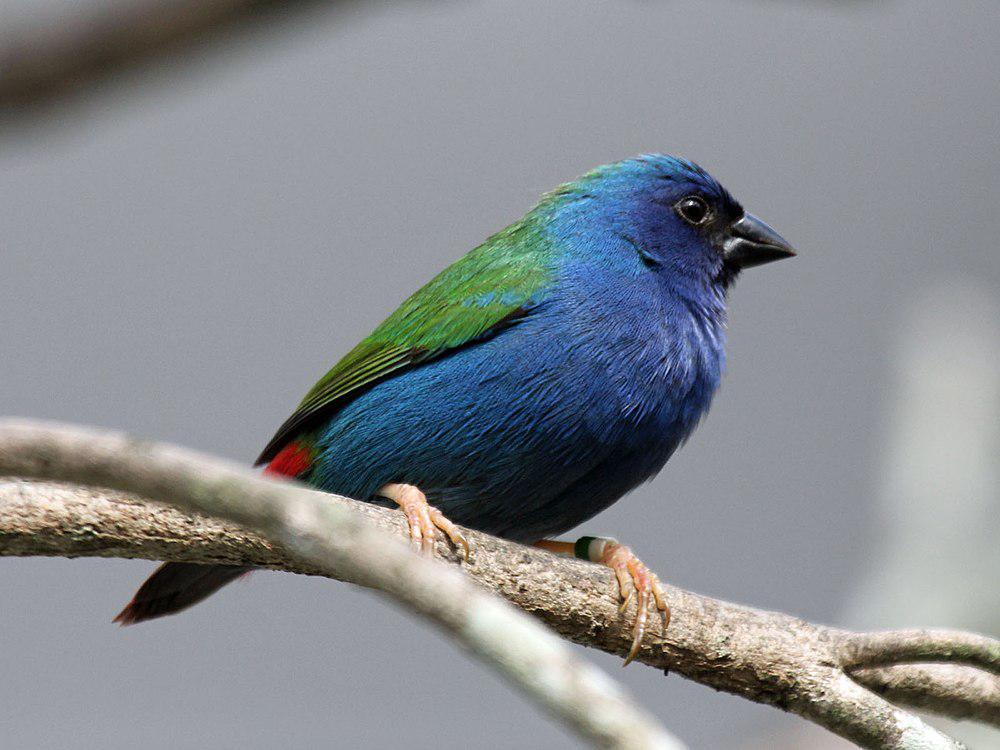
{"x":176,"y":586}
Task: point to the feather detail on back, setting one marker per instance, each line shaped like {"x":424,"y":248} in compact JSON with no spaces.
{"x":472,"y":300}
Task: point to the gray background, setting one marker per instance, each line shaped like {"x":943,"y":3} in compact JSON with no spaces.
{"x":183,"y":255}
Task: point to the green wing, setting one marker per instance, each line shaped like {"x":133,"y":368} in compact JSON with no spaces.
{"x":472,"y":300}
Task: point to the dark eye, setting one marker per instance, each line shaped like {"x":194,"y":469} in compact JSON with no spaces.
{"x":693,"y":209}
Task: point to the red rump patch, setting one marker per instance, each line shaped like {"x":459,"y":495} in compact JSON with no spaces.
{"x":291,"y":461}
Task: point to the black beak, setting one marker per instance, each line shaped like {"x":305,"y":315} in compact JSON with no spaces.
{"x":751,"y":242}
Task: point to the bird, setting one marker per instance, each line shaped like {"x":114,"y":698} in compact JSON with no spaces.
{"x":533,"y":382}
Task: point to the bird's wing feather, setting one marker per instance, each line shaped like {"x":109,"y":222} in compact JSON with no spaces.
{"x":472,"y":300}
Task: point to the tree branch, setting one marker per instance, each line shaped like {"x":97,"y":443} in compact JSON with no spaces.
{"x":902,"y":646}
{"x":43,"y":63}
{"x":938,"y":688}
{"x":335,"y":541}
{"x":840,"y":680}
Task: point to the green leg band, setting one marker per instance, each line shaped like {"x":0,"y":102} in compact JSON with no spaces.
{"x":582,"y":547}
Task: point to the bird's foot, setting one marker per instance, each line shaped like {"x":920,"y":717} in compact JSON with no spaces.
{"x":424,"y":519}
{"x":635,"y":580}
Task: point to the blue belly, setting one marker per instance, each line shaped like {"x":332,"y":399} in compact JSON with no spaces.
{"x":525,"y":435}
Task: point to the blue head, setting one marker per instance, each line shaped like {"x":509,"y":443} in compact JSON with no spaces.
{"x":676,"y":218}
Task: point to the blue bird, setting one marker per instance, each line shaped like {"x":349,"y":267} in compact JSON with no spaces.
{"x":533,"y":382}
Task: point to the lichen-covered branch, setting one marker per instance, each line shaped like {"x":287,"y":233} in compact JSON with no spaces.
{"x":328,"y":537}
{"x":853,"y":684}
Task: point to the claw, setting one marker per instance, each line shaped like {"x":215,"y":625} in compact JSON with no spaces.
{"x":424,"y":519}
{"x":626,"y":600}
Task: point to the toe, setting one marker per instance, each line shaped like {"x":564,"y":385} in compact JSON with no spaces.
{"x":625,"y":587}
{"x":413,"y":521}
{"x":661,"y":599}
{"x":642,"y":587}
{"x":452,"y":531}
{"x":428,"y":534}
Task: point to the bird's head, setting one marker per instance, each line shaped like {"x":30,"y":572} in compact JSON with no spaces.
{"x":678,"y":218}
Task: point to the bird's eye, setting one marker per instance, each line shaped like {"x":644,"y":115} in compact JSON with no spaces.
{"x":693,"y":209}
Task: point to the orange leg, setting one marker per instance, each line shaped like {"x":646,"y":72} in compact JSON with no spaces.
{"x":634,"y":579}
{"x":424,"y":519}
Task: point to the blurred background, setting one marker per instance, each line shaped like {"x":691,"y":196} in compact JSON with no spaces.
{"x":186,"y":246}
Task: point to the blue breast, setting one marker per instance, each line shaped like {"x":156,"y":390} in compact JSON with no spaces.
{"x":537,"y":429}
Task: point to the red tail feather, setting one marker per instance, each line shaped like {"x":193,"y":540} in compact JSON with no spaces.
{"x":291,"y":461}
